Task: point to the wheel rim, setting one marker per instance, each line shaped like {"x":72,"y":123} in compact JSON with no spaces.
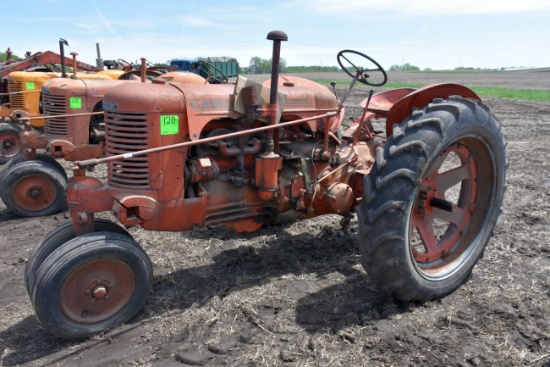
{"x":450,"y":208}
{"x":97,"y":291}
{"x":10,"y":145}
{"x":34,"y":192}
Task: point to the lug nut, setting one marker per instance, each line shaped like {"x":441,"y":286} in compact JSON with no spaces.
{"x":99,"y":292}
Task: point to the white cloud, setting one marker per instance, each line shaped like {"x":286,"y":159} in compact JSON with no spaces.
{"x":105,"y":21}
{"x":192,"y":21}
{"x":424,"y":7}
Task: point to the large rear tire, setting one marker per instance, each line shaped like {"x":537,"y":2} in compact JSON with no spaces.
{"x":90,"y":284}
{"x":432,"y":200}
{"x":57,"y":237}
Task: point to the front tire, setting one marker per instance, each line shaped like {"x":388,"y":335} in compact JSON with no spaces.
{"x":56,"y":238}
{"x":46,"y":158}
{"x":34,"y":188}
{"x":10,"y":144}
{"x":90,"y":284}
{"x":432,"y":200}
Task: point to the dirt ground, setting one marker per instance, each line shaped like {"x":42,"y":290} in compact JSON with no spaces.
{"x":296,"y":294}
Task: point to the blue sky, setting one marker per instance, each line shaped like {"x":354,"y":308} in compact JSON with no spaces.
{"x":427,"y":33}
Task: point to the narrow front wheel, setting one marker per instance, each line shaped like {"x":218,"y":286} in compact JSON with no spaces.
{"x":90,"y":284}
{"x":34,"y":188}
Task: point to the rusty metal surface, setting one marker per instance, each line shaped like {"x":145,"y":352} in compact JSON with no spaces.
{"x":96,"y":291}
{"x":421,"y":97}
{"x":211,"y":169}
{"x":10,"y":144}
{"x":34,"y":192}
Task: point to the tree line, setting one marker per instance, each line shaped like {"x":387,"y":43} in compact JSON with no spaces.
{"x":258,"y":65}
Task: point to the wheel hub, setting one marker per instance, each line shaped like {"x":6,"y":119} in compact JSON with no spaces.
{"x":96,"y":291}
{"x":34,"y":192}
{"x":443,"y":205}
{"x":10,"y":146}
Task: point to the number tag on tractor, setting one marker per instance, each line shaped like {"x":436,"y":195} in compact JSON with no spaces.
{"x":30,"y":85}
{"x":169,"y":124}
{"x":75,"y":102}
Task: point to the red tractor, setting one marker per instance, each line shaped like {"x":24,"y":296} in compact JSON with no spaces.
{"x":34,"y":184}
{"x":427,"y":193}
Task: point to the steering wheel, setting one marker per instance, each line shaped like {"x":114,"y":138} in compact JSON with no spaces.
{"x":125,"y":64}
{"x":218,"y":77}
{"x":136,"y":74}
{"x":362,"y":73}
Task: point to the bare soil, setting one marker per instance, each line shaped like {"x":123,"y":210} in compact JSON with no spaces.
{"x":296,"y":295}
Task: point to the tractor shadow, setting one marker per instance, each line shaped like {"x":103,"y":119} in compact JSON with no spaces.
{"x":354,"y":301}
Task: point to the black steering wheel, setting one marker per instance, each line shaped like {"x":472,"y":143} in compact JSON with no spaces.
{"x":218,"y":77}
{"x":354,"y":58}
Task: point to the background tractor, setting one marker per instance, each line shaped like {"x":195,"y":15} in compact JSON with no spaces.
{"x":23,"y":94}
{"x":33,"y":183}
{"x":427,"y":193}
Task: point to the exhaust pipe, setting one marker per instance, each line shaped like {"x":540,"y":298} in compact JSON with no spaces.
{"x":74,"y":54}
{"x":276,"y":37}
{"x":99,"y":60}
{"x":62,"y":53}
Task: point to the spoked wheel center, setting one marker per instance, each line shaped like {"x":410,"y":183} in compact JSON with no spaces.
{"x":442,"y":210}
{"x":96,"y":291}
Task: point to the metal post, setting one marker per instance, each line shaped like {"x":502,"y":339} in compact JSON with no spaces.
{"x":73,"y":54}
{"x":99,"y":60}
{"x":62,"y":53}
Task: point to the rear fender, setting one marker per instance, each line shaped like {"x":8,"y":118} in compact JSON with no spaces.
{"x":421,"y":97}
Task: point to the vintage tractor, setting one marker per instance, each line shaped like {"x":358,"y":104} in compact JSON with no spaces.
{"x":25,"y":94}
{"x":34,"y":184}
{"x":427,"y":193}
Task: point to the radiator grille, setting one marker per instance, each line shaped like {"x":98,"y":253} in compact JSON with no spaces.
{"x":55,"y":105}
{"x":127,"y":133}
{"x":16,"y":100}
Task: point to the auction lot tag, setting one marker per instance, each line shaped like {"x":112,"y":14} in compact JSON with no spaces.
{"x":169,"y":124}
{"x":30,"y":85}
{"x":75,"y":102}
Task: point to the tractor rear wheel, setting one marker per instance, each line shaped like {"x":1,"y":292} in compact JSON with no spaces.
{"x":57,"y":237}
{"x":432,"y":200}
{"x":92,"y":283}
{"x":33,"y":188}
{"x":10,"y":145}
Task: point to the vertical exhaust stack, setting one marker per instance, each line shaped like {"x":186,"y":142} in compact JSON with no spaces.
{"x":143,"y":69}
{"x":74,"y":54}
{"x":270,"y":163}
{"x":62,"y":53}
{"x":99,"y":60}
{"x":276,"y":37}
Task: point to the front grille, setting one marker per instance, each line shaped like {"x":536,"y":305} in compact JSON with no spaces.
{"x":16,"y":100}
{"x":127,"y":133}
{"x":55,"y":105}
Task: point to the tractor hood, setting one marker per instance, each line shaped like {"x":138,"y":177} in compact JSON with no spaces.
{"x":82,"y":88}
